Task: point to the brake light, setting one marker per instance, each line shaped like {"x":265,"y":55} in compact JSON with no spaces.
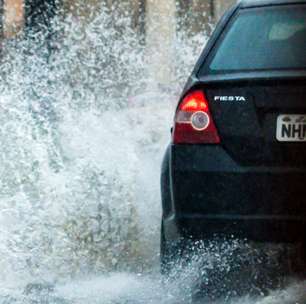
{"x":193,"y":121}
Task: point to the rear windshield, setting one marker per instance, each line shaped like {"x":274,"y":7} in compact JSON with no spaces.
{"x":262,"y":39}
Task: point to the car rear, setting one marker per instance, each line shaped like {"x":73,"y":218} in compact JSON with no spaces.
{"x":237,"y":162}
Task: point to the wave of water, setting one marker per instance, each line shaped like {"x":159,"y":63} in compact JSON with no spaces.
{"x":83,"y":130}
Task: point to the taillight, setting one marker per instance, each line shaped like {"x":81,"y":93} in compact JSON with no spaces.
{"x":193,"y":121}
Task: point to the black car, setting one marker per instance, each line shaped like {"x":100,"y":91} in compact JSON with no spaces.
{"x":237,"y":162}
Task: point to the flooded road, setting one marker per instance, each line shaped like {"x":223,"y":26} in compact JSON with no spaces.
{"x":133,"y":289}
{"x":83,"y":133}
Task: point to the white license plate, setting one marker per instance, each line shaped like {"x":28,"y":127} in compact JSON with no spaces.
{"x":291,"y":128}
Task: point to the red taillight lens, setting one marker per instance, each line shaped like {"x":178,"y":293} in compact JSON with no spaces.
{"x":193,"y":121}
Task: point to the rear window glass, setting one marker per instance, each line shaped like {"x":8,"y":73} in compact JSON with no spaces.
{"x":262,"y":39}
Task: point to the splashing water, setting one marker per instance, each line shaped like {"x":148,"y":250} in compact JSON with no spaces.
{"x":83,"y":130}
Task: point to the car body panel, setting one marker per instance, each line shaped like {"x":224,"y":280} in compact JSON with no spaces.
{"x":250,"y":185}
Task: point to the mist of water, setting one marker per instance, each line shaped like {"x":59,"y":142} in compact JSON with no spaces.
{"x":83,"y":130}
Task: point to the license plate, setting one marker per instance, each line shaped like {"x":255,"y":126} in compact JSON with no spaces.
{"x":291,"y":128}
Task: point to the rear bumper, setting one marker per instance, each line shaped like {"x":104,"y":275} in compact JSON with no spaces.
{"x":209,"y":193}
{"x":265,"y":229}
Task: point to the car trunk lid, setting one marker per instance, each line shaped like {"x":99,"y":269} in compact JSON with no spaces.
{"x":246,"y":114}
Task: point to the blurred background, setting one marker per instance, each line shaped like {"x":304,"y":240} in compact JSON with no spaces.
{"x":20,"y":13}
{"x":155,"y":21}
